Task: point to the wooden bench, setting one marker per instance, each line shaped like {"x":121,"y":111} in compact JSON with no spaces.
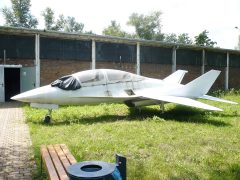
{"x":56,"y":159}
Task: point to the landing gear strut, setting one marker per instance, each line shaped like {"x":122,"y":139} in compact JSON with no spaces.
{"x":48,"y":117}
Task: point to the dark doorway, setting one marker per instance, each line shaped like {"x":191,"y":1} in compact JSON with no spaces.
{"x":12,"y":82}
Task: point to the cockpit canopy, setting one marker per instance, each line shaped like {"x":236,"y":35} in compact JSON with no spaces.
{"x":94,"y":77}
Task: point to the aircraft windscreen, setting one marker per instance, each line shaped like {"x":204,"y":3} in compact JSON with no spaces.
{"x":67,"y":83}
{"x":118,"y":76}
{"x":91,"y":76}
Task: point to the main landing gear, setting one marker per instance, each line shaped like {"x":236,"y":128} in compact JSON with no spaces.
{"x":48,"y":117}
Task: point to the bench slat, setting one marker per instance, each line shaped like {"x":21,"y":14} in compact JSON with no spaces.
{"x":58,"y":165}
{"x":62,"y":156}
{"x":70,"y":157}
{"x":49,"y":164}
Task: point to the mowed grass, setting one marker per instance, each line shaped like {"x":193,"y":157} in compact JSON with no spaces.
{"x":182,"y":143}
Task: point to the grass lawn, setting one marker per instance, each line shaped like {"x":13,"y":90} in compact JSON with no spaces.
{"x":182,"y":143}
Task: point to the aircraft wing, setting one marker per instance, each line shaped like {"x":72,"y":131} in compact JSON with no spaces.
{"x":179,"y":100}
{"x":216,"y":99}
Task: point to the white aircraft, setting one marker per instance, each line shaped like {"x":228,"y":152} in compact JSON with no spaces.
{"x":115,"y":86}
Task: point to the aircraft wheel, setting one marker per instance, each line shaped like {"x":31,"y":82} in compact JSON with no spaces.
{"x":47,"y":119}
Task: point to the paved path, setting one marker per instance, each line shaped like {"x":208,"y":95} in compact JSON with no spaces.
{"x":16,"y":159}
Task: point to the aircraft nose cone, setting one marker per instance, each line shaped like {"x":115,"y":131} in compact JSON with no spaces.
{"x":17,"y":97}
{"x":28,"y":96}
{"x":21,"y":97}
{"x":38,"y":95}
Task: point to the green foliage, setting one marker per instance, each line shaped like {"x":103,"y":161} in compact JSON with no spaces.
{"x":71,"y":25}
{"x":203,"y":40}
{"x":115,"y":30}
{"x":182,"y":143}
{"x":48,"y":15}
{"x":19,"y":15}
{"x":184,"y":39}
{"x":181,"y":38}
{"x":170,"y":38}
{"x":67,"y":24}
{"x":146,"y":26}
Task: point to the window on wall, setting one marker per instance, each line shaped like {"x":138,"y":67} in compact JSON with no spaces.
{"x":234,"y":60}
{"x":158,"y":55}
{"x":64,"y":49}
{"x":216,"y":59}
{"x":189,"y":57}
{"x":115,"y":52}
{"x":16,"y":46}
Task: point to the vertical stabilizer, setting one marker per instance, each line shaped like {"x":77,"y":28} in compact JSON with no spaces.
{"x":199,"y":86}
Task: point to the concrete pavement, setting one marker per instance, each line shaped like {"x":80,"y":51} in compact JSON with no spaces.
{"x":16,"y":157}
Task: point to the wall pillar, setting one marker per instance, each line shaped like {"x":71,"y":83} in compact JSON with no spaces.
{"x":93,"y":54}
{"x":37,"y":59}
{"x":203,"y":62}
{"x":138,"y":59}
{"x":174,"y":59}
{"x":227,"y":72}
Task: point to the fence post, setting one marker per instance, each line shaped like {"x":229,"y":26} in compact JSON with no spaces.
{"x":37,"y":59}
{"x":4,"y":56}
{"x":138,"y":59}
{"x":203,"y":62}
{"x":174,"y":57}
{"x":93,"y":54}
{"x":227,"y":72}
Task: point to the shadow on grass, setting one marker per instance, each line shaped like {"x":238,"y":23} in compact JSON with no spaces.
{"x":191,"y":115}
{"x":179,"y":114}
{"x":232,"y":173}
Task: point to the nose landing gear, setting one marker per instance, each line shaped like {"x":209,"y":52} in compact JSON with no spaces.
{"x":48,"y":117}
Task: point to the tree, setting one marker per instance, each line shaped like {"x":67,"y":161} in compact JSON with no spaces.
{"x":146,"y":27}
{"x":48,"y":15}
{"x":181,"y":38}
{"x":114,"y":30}
{"x":19,"y":15}
{"x":184,"y":39}
{"x":71,"y":25}
{"x":67,"y":24}
{"x":170,"y":38}
{"x":203,"y":40}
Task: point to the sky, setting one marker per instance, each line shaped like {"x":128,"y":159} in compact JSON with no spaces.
{"x":219,"y":17}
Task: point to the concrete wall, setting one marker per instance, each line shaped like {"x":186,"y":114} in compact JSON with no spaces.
{"x":23,"y":62}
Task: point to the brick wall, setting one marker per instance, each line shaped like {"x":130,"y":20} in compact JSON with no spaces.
{"x":193,"y":72}
{"x":158,"y":71}
{"x":234,"y":78}
{"x":54,"y":69}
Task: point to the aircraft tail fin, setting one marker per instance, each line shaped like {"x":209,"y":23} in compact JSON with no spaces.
{"x":176,"y":77}
{"x":199,"y":86}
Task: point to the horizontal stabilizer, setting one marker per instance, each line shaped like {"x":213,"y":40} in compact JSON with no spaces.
{"x":176,"y":77}
{"x":217,"y":99}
